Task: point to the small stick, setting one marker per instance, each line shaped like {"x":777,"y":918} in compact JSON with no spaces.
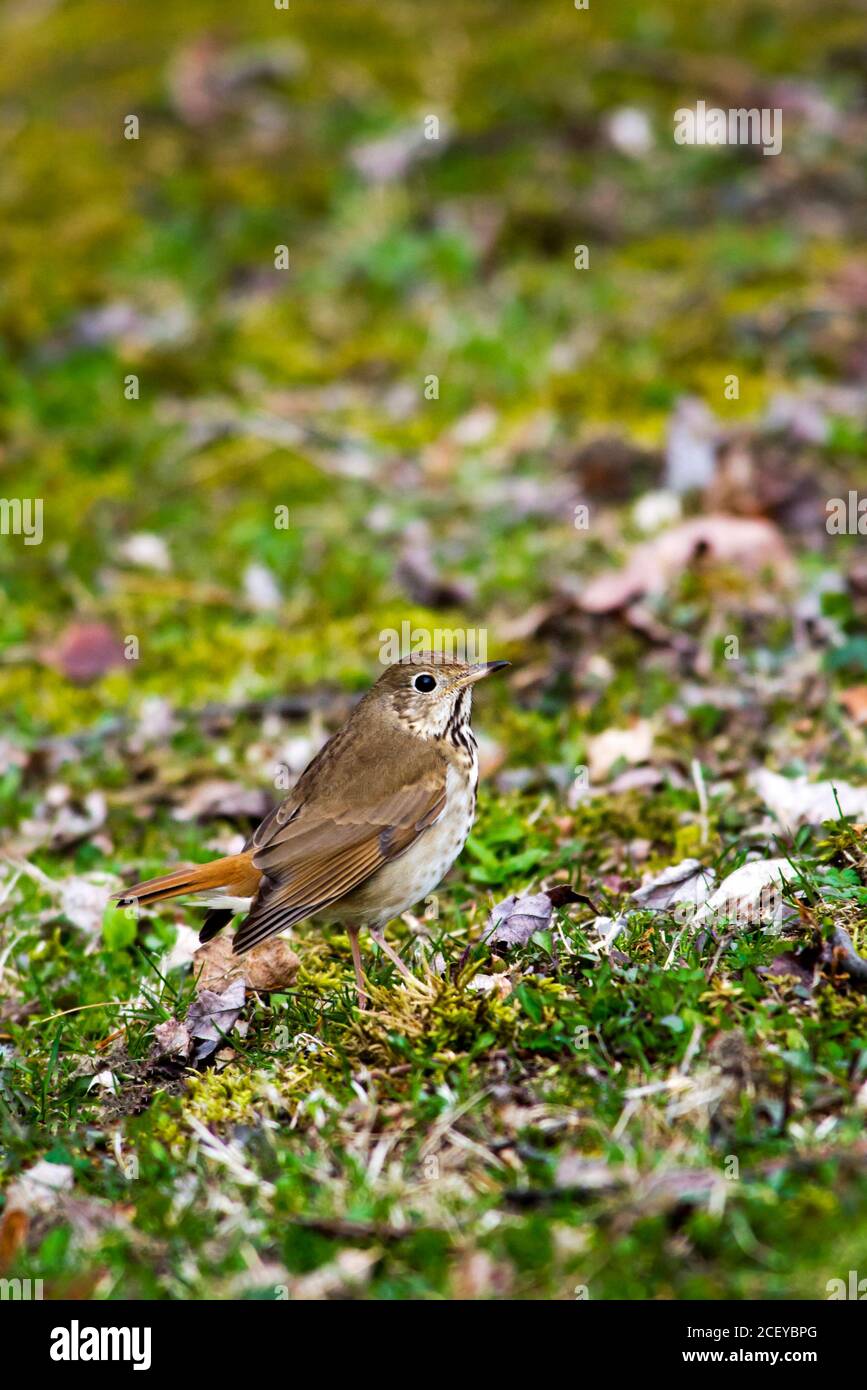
{"x":701,"y":791}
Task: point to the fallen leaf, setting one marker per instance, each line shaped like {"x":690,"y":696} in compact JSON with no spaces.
{"x":261,"y":589}
{"x":347,"y":1274}
{"x":632,"y":745}
{"x":836,"y":957}
{"x":267,"y":968}
{"x":796,"y":801}
{"x":491,"y":984}
{"x":681,"y":1187}
{"x":38,"y":1189}
{"x":690,"y":455}
{"x":59,"y":821}
{"x":105,"y":1080}
{"x":389,"y":158}
{"x":578,"y":1173}
{"x":764,"y":476}
{"x":13,"y":1233}
{"x":798,"y":965}
{"x":83,"y":901}
{"x":84,"y":652}
{"x":563,"y":893}
{"x":516,"y":918}
{"x":218,"y":797}
{"x":213,"y":1016}
{"x":854,"y":701}
{"x":686,"y":882}
{"x":419,"y":577}
{"x":750,"y":894}
{"x":748,"y":543}
{"x":530,"y":622}
{"x":636,"y":779}
{"x":147,"y":551}
{"x":172,"y":1039}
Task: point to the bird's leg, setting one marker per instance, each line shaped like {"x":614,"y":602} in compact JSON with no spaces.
{"x":352,"y":933}
{"x":389,"y":951}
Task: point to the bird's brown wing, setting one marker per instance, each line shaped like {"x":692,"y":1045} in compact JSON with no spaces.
{"x":311,"y":855}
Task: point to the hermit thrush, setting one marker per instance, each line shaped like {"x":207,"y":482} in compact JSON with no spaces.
{"x":370,"y":827}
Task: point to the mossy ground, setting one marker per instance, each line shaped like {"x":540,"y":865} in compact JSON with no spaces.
{"x":430,"y":1131}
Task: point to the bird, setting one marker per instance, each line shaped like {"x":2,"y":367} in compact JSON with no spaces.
{"x":372,"y":825}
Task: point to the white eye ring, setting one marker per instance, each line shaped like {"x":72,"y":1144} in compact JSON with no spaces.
{"x":424,"y":689}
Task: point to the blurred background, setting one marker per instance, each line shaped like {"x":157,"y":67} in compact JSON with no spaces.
{"x":286,"y":373}
{"x":310,"y":388}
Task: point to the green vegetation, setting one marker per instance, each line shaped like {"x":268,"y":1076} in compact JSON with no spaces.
{"x":526,"y":1121}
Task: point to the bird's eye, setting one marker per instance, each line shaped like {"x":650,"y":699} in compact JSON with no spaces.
{"x":425,"y":683}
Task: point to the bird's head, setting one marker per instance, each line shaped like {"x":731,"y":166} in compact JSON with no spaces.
{"x":430,"y":694}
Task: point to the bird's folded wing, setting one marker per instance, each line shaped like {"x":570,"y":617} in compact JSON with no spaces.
{"x":311,"y":860}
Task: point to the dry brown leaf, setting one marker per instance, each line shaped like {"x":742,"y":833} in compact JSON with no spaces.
{"x":837,"y":957}
{"x":516,"y":918}
{"x":13,"y":1233}
{"x":797,"y":801}
{"x":61,"y":819}
{"x":749,"y":894}
{"x":84,"y":652}
{"x":220,"y":797}
{"x":477,"y":1274}
{"x":750,"y":543}
{"x":269,"y":967}
{"x":579,"y":1172}
{"x":633,"y":745}
{"x":418,"y":575}
{"x":345,"y":1275}
{"x":854,"y":702}
{"x":212,"y":1017}
{"x":686,"y":882}
{"x":39,"y":1188}
{"x":172,"y":1039}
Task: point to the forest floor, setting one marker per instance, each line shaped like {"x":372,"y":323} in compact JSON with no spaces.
{"x":619,"y":476}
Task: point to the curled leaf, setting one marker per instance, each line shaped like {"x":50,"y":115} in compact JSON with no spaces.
{"x":515,"y":919}
{"x":686,"y":882}
{"x":213,"y":1016}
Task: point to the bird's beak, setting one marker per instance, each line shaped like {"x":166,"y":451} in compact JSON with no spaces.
{"x":478,"y":673}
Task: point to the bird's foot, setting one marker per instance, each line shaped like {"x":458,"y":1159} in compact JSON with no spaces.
{"x":360,"y":984}
{"x":389,"y":951}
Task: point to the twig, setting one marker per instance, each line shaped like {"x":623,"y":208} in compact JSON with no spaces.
{"x":724,"y":941}
{"x":701,"y":791}
{"x":79,"y":1008}
{"x":357,"y":1230}
{"x":691,"y":1050}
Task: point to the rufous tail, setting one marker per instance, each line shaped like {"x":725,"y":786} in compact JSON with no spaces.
{"x":235,"y":873}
